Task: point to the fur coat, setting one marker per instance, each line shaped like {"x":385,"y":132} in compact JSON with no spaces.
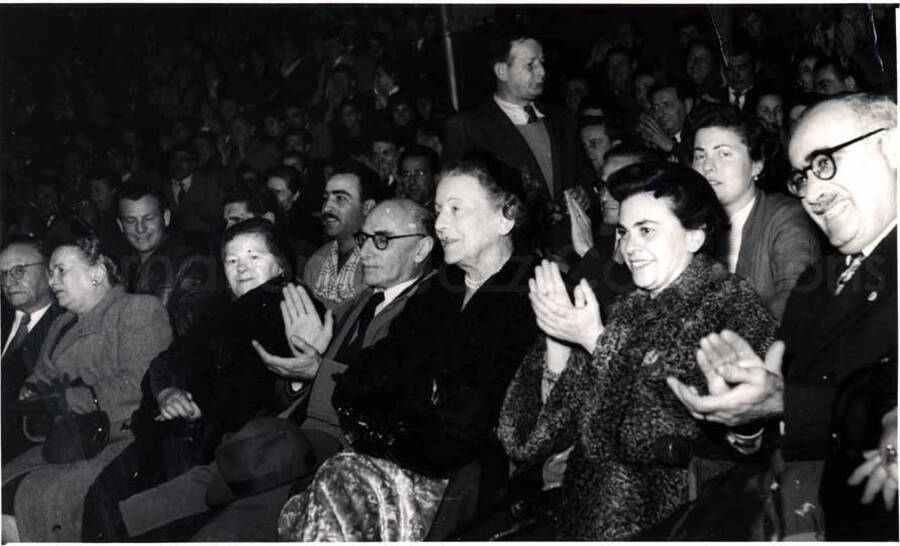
{"x":615,"y":408}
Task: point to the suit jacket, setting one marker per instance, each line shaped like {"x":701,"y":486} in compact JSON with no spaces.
{"x":109,"y":348}
{"x":184,"y":279}
{"x":489,"y":129}
{"x":200,"y":212}
{"x":829,"y":338}
{"x":320,"y":413}
{"x":18,"y":365}
{"x":778,"y":243}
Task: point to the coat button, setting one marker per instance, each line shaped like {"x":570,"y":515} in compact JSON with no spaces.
{"x":873,"y":296}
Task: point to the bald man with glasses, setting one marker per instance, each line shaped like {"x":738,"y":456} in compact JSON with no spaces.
{"x":826,"y":394}
{"x":23,"y":274}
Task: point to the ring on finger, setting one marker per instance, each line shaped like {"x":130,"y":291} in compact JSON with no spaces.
{"x":890,"y":454}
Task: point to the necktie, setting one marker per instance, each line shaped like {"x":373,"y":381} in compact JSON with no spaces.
{"x":532,"y":115}
{"x":179,"y":192}
{"x":738,"y":98}
{"x":848,"y":273}
{"x":348,"y":353}
{"x":20,"y":335}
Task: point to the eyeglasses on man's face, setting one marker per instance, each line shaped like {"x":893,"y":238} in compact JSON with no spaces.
{"x":821,"y":164}
{"x":16,"y":271}
{"x":381,"y":240}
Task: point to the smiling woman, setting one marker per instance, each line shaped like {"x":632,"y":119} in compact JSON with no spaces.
{"x":208,"y":383}
{"x":602,"y":387}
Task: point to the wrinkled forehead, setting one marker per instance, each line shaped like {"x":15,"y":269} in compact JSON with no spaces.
{"x":17,"y":254}
{"x":388,"y":218}
{"x":526,"y":50}
{"x":821,"y":128}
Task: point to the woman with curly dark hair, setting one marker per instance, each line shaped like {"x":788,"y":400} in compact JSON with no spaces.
{"x":771,"y":239}
{"x":98,"y":350}
{"x":599,"y":383}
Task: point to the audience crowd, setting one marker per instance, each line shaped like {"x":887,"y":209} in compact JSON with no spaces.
{"x":265,"y":283}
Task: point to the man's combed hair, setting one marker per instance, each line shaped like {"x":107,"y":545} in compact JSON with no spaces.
{"x":135,"y":192}
{"x":370,"y":186}
{"x":872,"y":111}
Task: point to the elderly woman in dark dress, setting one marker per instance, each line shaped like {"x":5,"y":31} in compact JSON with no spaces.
{"x":604,"y":381}
{"x":107,"y":339}
{"x":424,"y":401}
{"x":208,"y":383}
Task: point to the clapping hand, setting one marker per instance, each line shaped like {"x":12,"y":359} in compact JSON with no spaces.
{"x":556,"y":315}
{"x":742,"y":387}
{"x":307,"y":335}
{"x":648,"y":128}
{"x":582,"y":234}
{"x":880,"y":466}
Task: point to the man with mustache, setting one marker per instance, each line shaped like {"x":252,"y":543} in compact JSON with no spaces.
{"x":535,"y":138}
{"x":829,"y":386}
{"x":333,"y":272}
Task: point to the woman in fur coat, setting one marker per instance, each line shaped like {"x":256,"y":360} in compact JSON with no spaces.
{"x":604,"y":385}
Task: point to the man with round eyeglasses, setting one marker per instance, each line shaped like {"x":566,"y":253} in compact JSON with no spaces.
{"x":826,"y":394}
{"x":26,"y":291}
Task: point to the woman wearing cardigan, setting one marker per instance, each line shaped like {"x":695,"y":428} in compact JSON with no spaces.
{"x":106,"y":338}
{"x":771,"y":240}
{"x":605,"y":380}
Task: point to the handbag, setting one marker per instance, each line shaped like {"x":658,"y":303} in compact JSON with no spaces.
{"x":67,"y":436}
{"x":739,"y":504}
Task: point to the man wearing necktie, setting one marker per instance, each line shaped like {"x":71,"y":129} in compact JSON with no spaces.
{"x":537,"y":139}
{"x":830,"y":386}
{"x":395,"y":245}
{"x":741,"y":75}
{"x":23,"y":274}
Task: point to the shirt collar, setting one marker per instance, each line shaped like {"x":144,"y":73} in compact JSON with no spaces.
{"x":869,"y":248}
{"x":516,"y":113}
{"x":390,"y":294}
{"x":185,"y":182}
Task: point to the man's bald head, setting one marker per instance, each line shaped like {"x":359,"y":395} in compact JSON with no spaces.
{"x":409,"y":228}
{"x":855,"y":201}
{"x":31,"y":291}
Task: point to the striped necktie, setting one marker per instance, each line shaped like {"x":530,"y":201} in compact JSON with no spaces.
{"x":855,"y":262}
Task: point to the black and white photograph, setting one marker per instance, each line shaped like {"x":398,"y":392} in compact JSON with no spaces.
{"x":396,"y":272}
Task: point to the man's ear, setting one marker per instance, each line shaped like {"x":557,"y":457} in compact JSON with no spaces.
{"x":167,"y":217}
{"x":850,"y":83}
{"x":368,"y":205}
{"x":121,"y":227}
{"x":501,"y":71}
{"x":423,"y":249}
{"x":295,"y":196}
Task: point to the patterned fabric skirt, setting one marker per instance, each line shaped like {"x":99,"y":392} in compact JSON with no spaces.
{"x":355,"y":497}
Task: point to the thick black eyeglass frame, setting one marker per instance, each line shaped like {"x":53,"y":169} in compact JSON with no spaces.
{"x":380,"y":240}
{"x":797,"y":181}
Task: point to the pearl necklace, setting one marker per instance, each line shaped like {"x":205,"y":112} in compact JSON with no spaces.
{"x":475,"y":285}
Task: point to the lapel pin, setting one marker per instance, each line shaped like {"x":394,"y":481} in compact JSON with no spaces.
{"x":873,"y":296}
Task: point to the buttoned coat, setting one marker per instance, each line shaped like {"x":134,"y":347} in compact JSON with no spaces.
{"x":109,"y":348}
{"x":17,"y":366}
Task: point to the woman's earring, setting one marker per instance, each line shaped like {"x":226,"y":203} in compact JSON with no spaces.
{"x":95,"y":282}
